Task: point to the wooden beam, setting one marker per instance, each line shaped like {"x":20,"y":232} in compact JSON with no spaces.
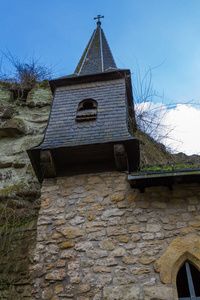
{"x":47,"y":164}
{"x":120,"y":157}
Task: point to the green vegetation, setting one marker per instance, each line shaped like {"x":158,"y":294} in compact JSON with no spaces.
{"x":5,"y":84}
{"x":12,"y":188}
{"x":44,"y":83}
{"x":169,"y":167}
{"x":4,"y":284}
{"x":17,"y":223}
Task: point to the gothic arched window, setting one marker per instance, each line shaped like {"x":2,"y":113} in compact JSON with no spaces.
{"x":87,"y":110}
{"x":188,"y":282}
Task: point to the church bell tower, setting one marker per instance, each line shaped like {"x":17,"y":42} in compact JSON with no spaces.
{"x":92,"y":121}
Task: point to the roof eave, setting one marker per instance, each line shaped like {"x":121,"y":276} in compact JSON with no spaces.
{"x":62,"y":155}
{"x":108,"y":75}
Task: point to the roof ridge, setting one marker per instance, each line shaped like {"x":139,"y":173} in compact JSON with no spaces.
{"x":101,"y":47}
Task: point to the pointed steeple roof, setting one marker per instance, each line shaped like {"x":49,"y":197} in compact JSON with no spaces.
{"x":97,"y":57}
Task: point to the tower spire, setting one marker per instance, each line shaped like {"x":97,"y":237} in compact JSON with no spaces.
{"x":97,"y":57}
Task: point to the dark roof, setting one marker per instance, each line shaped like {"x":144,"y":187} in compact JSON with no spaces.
{"x":97,"y":56}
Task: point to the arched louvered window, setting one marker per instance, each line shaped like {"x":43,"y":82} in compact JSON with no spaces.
{"x":188,"y":282}
{"x":87,"y":110}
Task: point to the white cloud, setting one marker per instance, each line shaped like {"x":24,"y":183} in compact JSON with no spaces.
{"x":186,"y":122}
{"x":182,"y":123}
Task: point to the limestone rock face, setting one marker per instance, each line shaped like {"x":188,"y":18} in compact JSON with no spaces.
{"x":6,"y":112}
{"x":21,"y":127}
{"x":40,"y":94}
{"x":13,"y":128}
{"x":5,"y":94}
{"x":15,"y":248}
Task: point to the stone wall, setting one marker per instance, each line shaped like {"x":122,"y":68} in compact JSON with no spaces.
{"x":99,"y":239}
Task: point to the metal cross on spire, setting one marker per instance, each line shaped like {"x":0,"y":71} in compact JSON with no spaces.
{"x":98,"y":18}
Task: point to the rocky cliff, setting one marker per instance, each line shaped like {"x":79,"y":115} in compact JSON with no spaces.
{"x":23,"y":119}
{"x":22,"y":124}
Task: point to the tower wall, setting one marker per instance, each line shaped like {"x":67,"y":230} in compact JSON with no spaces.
{"x":112,"y":118}
{"x":99,"y":239}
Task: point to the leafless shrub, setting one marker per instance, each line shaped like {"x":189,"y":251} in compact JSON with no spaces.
{"x":150,"y":110}
{"x":27,"y":72}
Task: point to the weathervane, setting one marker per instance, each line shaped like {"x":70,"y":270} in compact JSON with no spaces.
{"x":98,"y":18}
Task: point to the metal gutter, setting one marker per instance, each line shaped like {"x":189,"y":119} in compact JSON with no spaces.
{"x":139,"y":175}
{"x":142,"y":180}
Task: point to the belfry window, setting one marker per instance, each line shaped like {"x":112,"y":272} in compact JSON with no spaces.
{"x":87,"y":110}
{"x":188,"y":282}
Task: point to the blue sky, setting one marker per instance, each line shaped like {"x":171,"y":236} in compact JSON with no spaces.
{"x":164,"y":33}
{"x":153,"y":32}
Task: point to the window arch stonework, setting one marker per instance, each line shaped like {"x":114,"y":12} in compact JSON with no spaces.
{"x":181,"y":249}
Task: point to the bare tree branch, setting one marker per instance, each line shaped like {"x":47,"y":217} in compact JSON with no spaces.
{"x":27,"y":72}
